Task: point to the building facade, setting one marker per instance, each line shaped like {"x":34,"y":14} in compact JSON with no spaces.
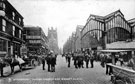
{"x":11,"y":27}
{"x":102,"y":30}
{"x":78,"y":37}
{"x":53,"y":40}
{"x":73,"y":42}
{"x":132,"y":23}
{"x":36,"y":40}
{"x":67,"y":46}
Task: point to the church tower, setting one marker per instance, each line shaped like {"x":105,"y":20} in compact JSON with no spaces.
{"x":53,"y":40}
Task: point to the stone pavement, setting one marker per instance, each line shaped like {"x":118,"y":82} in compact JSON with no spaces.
{"x":63,"y":75}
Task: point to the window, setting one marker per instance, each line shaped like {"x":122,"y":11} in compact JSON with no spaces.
{"x":3,"y":45}
{"x":2,"y":6}
{"x":3,"y":25}
{"x":13,"y":30}
{"x":20,"y":33}
{"x":19,"y":21}
{"x":34,"y":41}
{"x":13,"y":15}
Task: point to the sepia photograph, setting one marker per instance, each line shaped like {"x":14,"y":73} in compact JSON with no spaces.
{"x":67,"y":41}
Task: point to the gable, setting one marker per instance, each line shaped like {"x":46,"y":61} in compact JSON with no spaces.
{"x":118,"y":21}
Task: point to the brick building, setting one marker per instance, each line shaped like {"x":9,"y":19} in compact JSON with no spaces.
{"x":36,"y":40}
{"x":11,"y":27}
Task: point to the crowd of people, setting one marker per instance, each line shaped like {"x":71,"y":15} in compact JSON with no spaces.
{"x":79,"y":58}
{"x":50,"y":59}
{"x":88,"y":57}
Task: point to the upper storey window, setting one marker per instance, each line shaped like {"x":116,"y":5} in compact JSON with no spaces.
{"x":20,"y":32}
{"x":13,"y":15}
{"x":19,"y":21}
{"x":3,"y":25}
{"x":2,"y":6}
{"x":13,"y":30}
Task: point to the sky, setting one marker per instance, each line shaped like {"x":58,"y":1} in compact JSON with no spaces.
{"x":65,"y":15}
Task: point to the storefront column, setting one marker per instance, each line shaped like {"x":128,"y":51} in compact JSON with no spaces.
{"x":113,"y":58}
{"x":7,"y":47}
{"x":133,"y":56}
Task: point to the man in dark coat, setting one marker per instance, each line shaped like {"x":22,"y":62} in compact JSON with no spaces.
{"x":53,"y":62}
{"x":91,"y":60}
{"x":48,"y":59}
{"x":87,"y":58}
{"x":69,"y":59}
{"x":80,"y":60}
{"x":75,"y":60}
{"x":43,"y":62}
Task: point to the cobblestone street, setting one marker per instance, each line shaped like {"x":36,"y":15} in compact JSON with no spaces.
{"x":63,"y":75}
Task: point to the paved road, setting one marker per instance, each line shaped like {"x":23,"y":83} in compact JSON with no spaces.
{"x":63,"y":75}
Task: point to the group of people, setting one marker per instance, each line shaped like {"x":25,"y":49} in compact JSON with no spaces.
{"x":79,"y":58}
{"x":50,"y":59}
{"x":105,"y":59}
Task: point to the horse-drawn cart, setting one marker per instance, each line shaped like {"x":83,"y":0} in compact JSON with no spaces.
{"x":121,"y":74}
{"x":31,"y":61}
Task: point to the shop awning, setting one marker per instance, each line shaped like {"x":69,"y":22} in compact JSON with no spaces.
{"x":122,"y":45}
{"x":113,"y":50}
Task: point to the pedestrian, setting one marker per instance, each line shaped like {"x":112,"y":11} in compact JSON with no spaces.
{"x":48,"y":59}
{"x":87,"y":59}
{"x":80,"y":60}
{"x":66,"y":57}
{"x":43,"y":61}
{"x":63,"y":55}
{"x":102,"y":59}
{"x":53,"y":62}
{"x":91,"y":60}
{"x":75,"y":60}
{"x":107,"y":61}
{"x":69,"y":59}
{"x":121,"y":59}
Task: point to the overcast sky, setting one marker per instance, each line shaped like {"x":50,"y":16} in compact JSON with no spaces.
{"x":65,"y":15}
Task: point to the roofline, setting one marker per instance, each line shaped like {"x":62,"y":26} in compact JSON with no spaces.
{"x":96,"y":15}
{"x":13,"y":8}
{"x":112,"y":13}
{"x":131,"y":19}
{"x":35,"y":27}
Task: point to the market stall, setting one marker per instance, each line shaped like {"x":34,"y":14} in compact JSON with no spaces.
{"x":122,"y":74}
